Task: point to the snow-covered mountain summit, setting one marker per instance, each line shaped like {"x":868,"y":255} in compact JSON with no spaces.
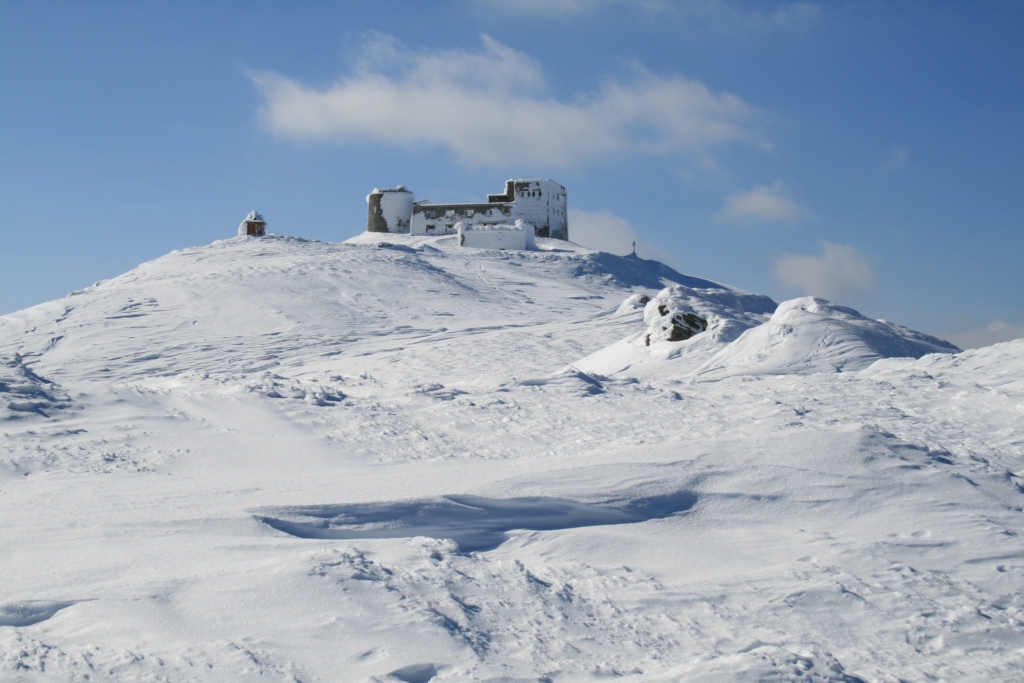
{"x":394,"y":459}
{"x":247,"y":305}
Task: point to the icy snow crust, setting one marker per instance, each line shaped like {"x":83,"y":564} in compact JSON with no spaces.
{"x":398,"y":460}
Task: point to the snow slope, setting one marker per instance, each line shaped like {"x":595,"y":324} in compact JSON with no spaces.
{"x":277,"y":459}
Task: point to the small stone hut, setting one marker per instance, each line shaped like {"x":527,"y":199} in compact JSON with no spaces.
{"x":253,"y":225}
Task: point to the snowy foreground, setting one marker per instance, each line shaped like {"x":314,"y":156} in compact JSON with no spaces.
{"x":275,"y":459}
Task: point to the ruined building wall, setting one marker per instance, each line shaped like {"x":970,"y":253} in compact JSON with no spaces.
{"x":440,"y":219}
{"x":541,"y":203}
{"x":389,"y":210}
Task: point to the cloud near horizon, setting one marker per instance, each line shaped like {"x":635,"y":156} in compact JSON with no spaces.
{"x":993,"y":333}
{"x":838,"y":271}
{"x":490,"y":108}
{"x":763,"y":203}
{"x":719,"y":14}
{"x":604,"y":231}
{"x":531,"y":8}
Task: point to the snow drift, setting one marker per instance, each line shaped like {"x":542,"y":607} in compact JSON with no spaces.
{"x":450,"y":494}
{"x":812,"y":335}
{"x":709,"y":334}
{"x":23,"y":393}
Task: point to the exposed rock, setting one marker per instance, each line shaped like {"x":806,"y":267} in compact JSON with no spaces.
{"x":671,"y":319}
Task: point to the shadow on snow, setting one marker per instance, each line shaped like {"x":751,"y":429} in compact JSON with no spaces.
{"x":475,"y":523}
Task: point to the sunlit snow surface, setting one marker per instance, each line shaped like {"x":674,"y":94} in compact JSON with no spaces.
{"x":288,"y":460}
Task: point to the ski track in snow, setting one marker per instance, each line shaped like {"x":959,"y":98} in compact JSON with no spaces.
{"x":652,"y":521}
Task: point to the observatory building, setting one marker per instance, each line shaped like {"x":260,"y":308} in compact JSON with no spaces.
{"x":539,"y":203}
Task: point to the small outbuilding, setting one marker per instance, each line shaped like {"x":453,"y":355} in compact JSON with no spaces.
{"x":253,"y":225}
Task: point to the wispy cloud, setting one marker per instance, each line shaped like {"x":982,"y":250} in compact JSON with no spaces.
{"x":490,"y":107}
{"x":531,"y":8}
{"x":838,"y":271}
{"x":795,"y":16}
{"x":604,"y":231}
{"x":721,"y":14}
{"x":993,"y":333}
{"x":763,"y":203}
{"x":897,"y":159}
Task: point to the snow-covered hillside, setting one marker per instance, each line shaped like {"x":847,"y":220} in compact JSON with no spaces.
{"x":277,"y":459}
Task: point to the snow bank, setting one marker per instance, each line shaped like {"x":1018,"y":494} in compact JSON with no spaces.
{"x":999,"y":367}
{"x":475,"y":523}
{"x":709,"y":334}
{"x":811,"y":335}
{"x":31,"y":612}
{"x":685,"y":325}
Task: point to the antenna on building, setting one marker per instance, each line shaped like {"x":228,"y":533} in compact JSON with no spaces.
{"x":634,"y":247}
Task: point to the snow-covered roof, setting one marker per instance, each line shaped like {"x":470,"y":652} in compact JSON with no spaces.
{"x":255,"y":216}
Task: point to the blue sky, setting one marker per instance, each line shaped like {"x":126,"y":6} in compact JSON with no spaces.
{"x":868,"y":152}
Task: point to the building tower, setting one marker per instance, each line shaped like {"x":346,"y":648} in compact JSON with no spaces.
{"x":389,"y":210}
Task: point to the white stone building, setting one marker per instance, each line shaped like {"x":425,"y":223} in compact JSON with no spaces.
{"x":540,"y":203}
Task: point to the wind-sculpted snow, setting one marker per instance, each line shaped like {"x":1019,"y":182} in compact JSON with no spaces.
{"x":710,"y":318}
{"x":812,"y":335}
{"x":711,"y":334}
{"x":30,"y":612}
{"x":23,"y":393}
{"x":862,"y":525}
{"x":247,"y":306}
{"x":725,"y":314}
{"x":633,"y":271}
{"x":475,"y":523}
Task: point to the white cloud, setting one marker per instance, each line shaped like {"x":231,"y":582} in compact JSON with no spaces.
{"x":897,"y":159}
{"x":489,"y":107}
{"x":721,"y":14}
{"x":762,"y":203}
{"x":796,"y":16}
{"x":531,"y":8}
{"x":993,"y":333}
{"x":604,"y":231}
{"x":839,"y":271}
